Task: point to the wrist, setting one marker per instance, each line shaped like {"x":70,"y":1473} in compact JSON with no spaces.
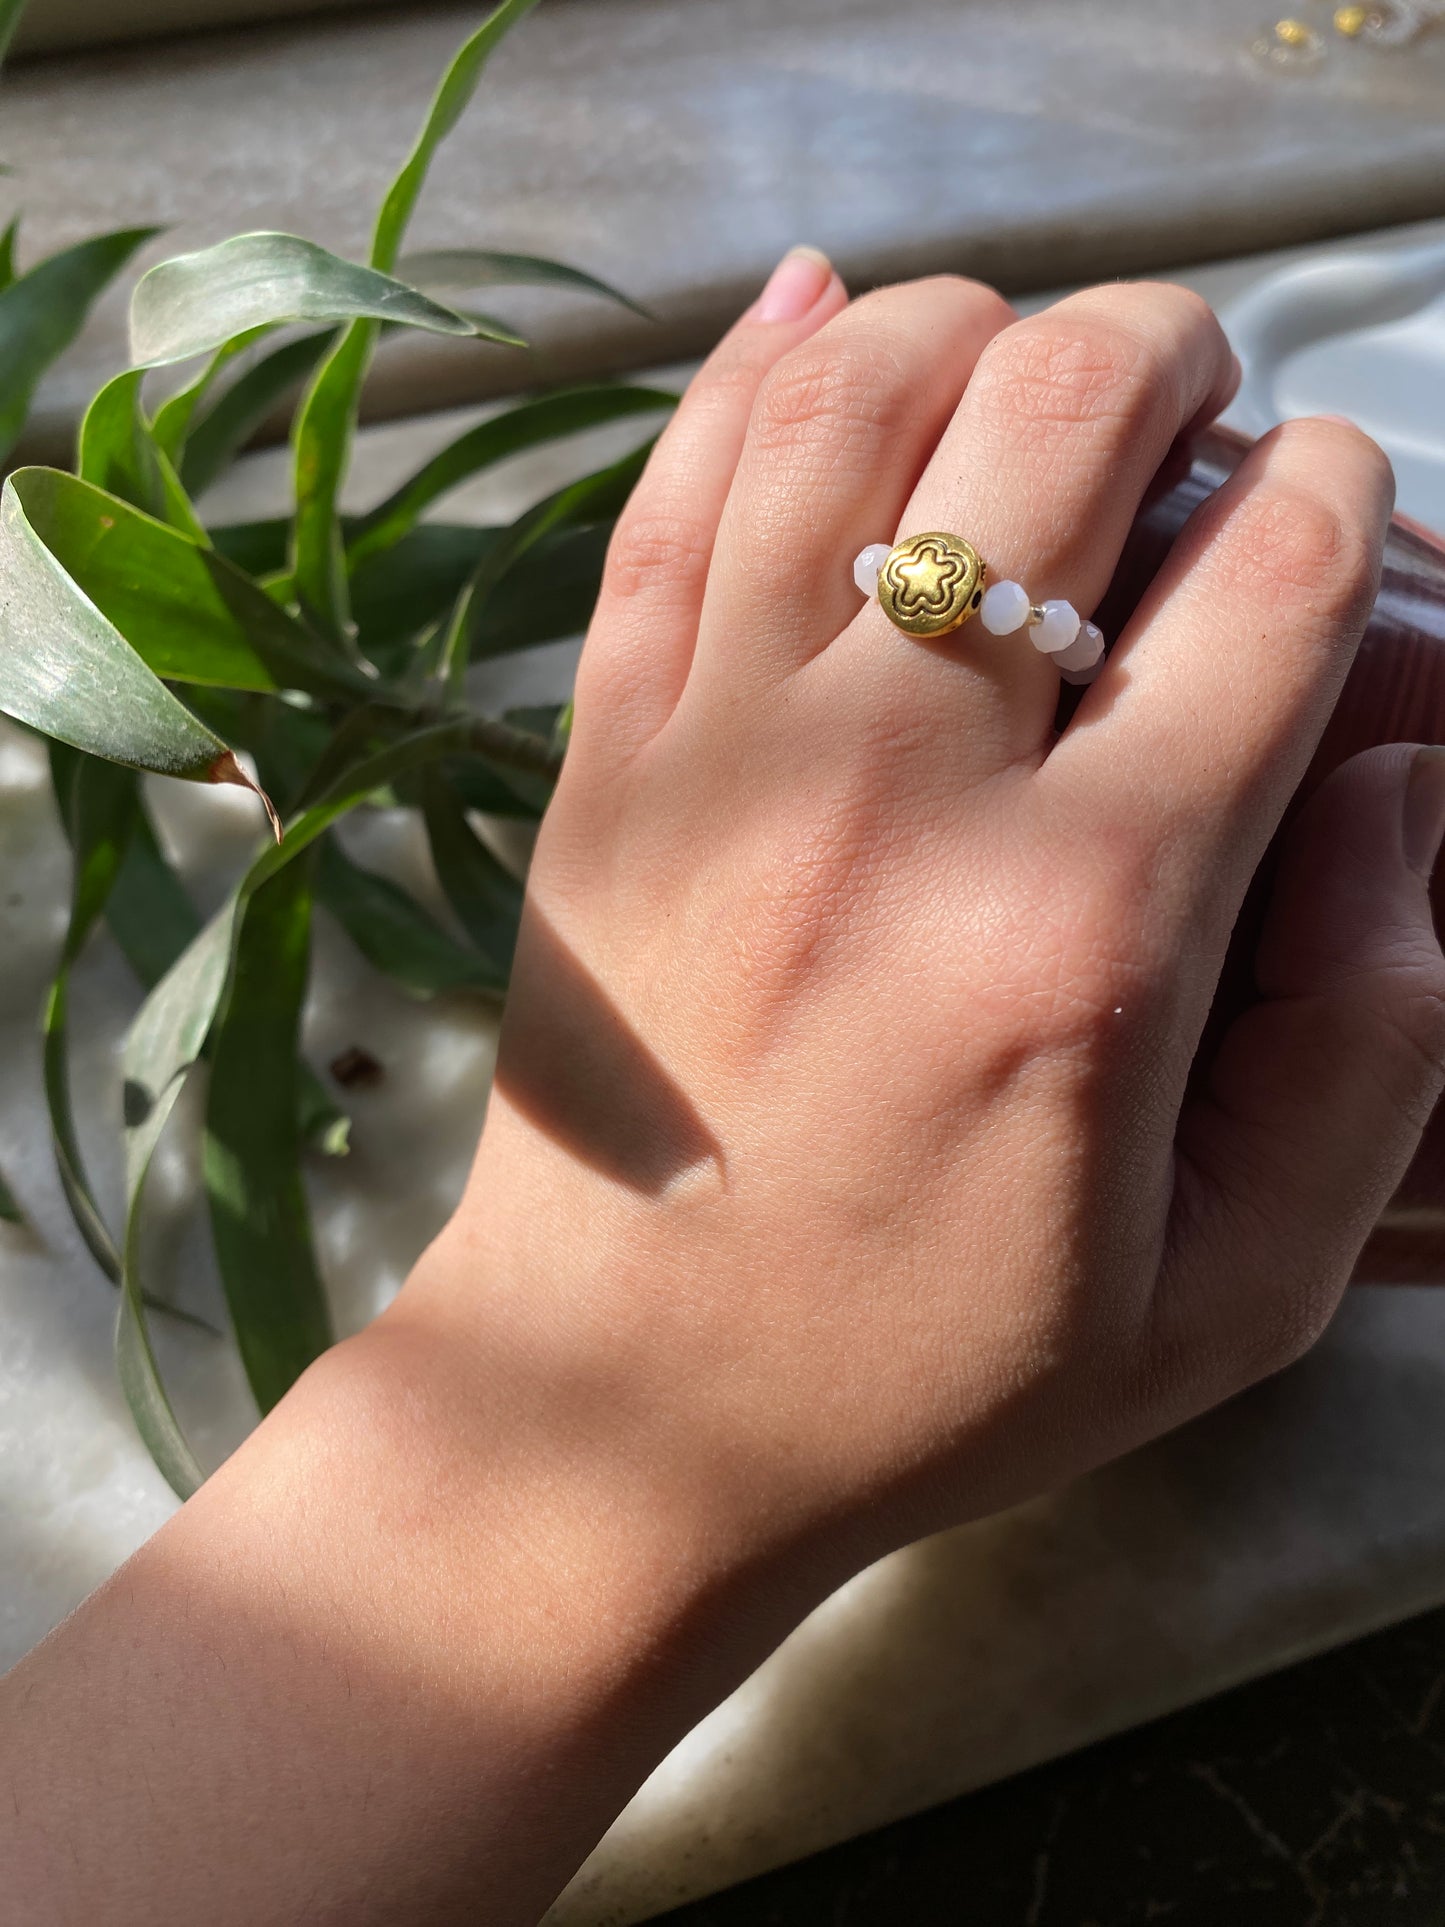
{"x":442,"y":1613}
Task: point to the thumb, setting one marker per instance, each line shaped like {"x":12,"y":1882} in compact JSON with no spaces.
{"x":1318,"y":1094}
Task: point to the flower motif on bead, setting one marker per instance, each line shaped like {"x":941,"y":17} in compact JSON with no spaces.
{"x":925,"y":577}
{"x":931,"y":583}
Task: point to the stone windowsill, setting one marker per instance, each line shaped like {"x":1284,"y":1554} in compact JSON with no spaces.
{"x":679,"y":146}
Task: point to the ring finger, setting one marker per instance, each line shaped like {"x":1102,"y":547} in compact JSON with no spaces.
{"x":1042,"y":466}
{"x":839,"y":434}
{"x":1066,"y":421}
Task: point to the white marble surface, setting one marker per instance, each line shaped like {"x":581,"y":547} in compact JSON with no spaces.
{"x":1308,"y":1511}
{"x":1312,"y":1509}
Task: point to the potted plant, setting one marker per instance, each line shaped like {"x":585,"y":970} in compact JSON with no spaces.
{"x":320,"y":660}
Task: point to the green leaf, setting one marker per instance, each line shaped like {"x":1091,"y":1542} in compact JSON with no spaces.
{"x":398,"y":592}
{"x":485,"y":789}
{"x":459,"y":736}
{"x":168,"y":1037}
{"x":172,"y":424}
{"x":150,"y":913}
{"x":326,"y":422}
{"x":7,"y":252}
{"x":451,"y":101}
{"x":68,"y":672}
{"x":492,"y":441}
{"x":487,"y":327}
{"x":252,"y":1162}
{"x":394,"y":934}
{"x":595,"y":498}
{"x":486,"y":898}
{"x":179,"y":609}
{"x":153,"y":919}
{"x":102,"y":813}
{"x":10,"y":1212}
{"x":163,"y":1044}
{"x":256,"y":548}
{"x":323,"y":1125}
{"x":547,"y":593}
{"x":119,"y":453}
{"x":42,"y":312}
{"x":221,"y":431}
{"x":10,"y":12}
{"x":100,"y":804}
{"x":461,"y":269}
{"x":321,"y":441}
{"x":196,"y":303}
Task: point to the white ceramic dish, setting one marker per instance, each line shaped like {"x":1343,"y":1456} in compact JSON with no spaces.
{"x":1361,"y":334}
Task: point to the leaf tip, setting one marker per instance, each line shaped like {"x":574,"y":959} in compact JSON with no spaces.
{"x":227,"y":769}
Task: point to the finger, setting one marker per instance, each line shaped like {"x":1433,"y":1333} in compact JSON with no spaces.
{"x":645,"y":626}
{"x":840,"y":432}
{"x":1210,"y":707}
{"x":1066,"y":420}
{"x":1316,"y":1099}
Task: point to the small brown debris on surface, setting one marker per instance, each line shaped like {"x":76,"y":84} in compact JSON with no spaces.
{"x":356,"y":1069}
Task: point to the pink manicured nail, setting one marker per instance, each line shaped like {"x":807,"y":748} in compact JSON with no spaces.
{"x":794,"y":285}
{"x":1425,"y":810}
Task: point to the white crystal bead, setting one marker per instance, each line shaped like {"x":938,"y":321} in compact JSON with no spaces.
{"x":1005,"y":607}
{"x":1080,"y":677}
{"x":1058,"y":628}
{"x":869,"y":562}
{"x":1084,"y":651}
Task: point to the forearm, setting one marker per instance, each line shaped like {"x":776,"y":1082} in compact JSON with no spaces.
{"x":405,"y":1656}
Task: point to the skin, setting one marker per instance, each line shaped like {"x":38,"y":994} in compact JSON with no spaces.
{"x":849,"y":1171}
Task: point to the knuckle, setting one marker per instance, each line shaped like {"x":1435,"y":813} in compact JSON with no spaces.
{"x":1300,"y":546}
{"x":1061,"y":375}
{"x":853,"y":394}
{"x":649,"y":547}
{"x":1289,"y":1322}
{"x":1095,"y":956}
{"x":974,"y":299}
{"x":1362,"y":451}
{"x":1412,"y":1004}
{"x":1158,"y":310}
{"x":724,"y":384}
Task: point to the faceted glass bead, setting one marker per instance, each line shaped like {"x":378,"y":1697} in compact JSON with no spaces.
{"x":1005,"y":608}
{"x":1084,"y":651}
{"x":869,"y":562}
{"x":1059,"y":627}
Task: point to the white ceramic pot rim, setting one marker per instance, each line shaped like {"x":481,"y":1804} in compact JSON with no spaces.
{"x":1315,"y":300}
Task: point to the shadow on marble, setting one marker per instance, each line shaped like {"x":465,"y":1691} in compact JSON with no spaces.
{"x":1308,"y":1510}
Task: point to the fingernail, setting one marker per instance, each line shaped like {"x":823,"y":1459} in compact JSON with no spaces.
{"x":1424,"y":827}
{"x":794,"y":285}
{"x":1343,"y":420}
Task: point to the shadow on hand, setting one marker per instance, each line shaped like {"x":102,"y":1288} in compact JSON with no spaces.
{"x":573,"y":1065}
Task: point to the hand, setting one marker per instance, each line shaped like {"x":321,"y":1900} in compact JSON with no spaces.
{"x":844,"y":1097}
{"x":845,"y":1174}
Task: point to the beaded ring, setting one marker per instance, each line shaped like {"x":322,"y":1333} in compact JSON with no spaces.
{"x":931,"y":584}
